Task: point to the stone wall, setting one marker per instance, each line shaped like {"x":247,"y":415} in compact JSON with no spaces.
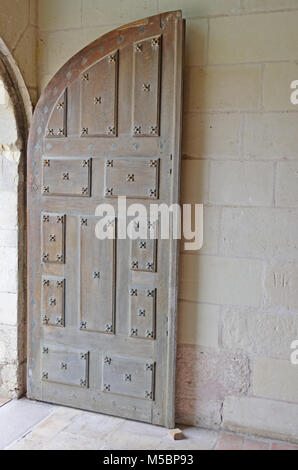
{"x":9,"y":160}
{"x":238,"y":311}
{"x":18,"y":29}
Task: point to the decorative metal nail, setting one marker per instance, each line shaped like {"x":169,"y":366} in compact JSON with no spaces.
{"x":134,"y":264}
{"x":85,"y":190}
{"x":130,"y":178}
{"x":59,"y":284}
{"x":139,"y":48}
{"x":65,"y":176}
{"x":153,"y":163}
{"x":127,"y":377}
{"x":84,"y":131}
{"x":83,"y":325}
{"x":153,"y":130}
{"x":60,"y":219}
{"x":45,"y":376}
{"x":148,"y":395}
{"x":134,"y":332}
{"x":59,"y":257}
{"x":149,"y":265}
{"x":60,"y":131}
{"x":150,"y":293}
{"x":146,"y":87}
{"x":46,"y":163}
{"x":107,"y":360}
{"x":83,"y":383}
{"x":142,"y":312}
{"x":155,"y":42}
{"x":107,"y":388}
{"x":60,"y":105}
{"x":109,"y":191}
{"x":45,"y":350}
{"x":149,"y":367}
{"x":134,"y":292}
{"x":63,"y":365}
{"x":149,"y":334}
{"x":52,"y":301}
{"x":45,"y":320}
{"x":84,"y":356}
{"x":97,"y":100}
{"x":85,"y":77}
{"x":46,"y":218}
{"x":109,"y":328}
{"x":111,"y":130}
{"x":59,"y":321}
{"x":152,"y":192}
{"x":109,"y":163}
{"x":52,"y":238}
{"x":137,"y":130}
{"x":46,"y":189}
{"x":50,"y":132}
{"x":96,"y":275}
{"x":84,"y":222}
{"x":45,"y":257}
{"x":112,"y":58}
{"x":85,"y":163}
{"x":142,"y":245}
{"x":46,"y":282}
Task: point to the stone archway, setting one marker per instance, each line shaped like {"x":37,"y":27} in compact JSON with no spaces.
{"x":13,"y":244}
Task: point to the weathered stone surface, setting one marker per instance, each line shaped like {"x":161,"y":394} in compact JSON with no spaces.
{"x":259,"y":333}
{"x":259,"y":232}
{"x":275,"y":379}
{"x":204,"y":378}
{"x":261,"y":417}
{"x":221,"y":280}
{"x":281,"y":282}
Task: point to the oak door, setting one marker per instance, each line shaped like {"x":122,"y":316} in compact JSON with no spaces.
{"x":102,"y":313}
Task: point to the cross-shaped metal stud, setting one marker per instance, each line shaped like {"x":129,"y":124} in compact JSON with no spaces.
{"x":142,"y":245}
{"x":46,"y":218}
{"x":134,"y":264}
{"x":84,"y":222}
{"x":46,"y":189}
{"x":97,"y":100}
{"x":60,"y":131}
{"x":52,"y":301}
{"x":149,"y":334}
{"x":45,"y":320}
{"x":58,"y":321}
{"x":63,"y":365}
{"x":109,"y":163}
{"x":130,"y":178}
{"x":142,"y":312}
{"x":153,"y":130}
{"x":137,"y":130}
{"x":127,"y":377}
{"x":65,"y":176}
{"x":85,"y":190}
{"x":60,"y":219}
{"x":52,"y":238}
{"x":139,"y":48}
{"x":96,"y":275}
{"x":149,"y":366}
{"x":60,"y":105}
{"x":109,"y":192}
{"x":83,"y":325}
{"x":111,"y":130}
{"x":146,"y":87}
{"x":50,"y":132}
{"x":134,"y":292}
{"x":107,"y":360}
{"x":112,"y":58}
{"x":153,"y":163}
{"x":149,"y":265}
{"x":45,"y":257}
{"x":84,"y":131}
{"x":46,"y":163}
{"x":155,"y":42}
{"x":45,"y":375}
{"x":59,"y":257}
{"x":107,"y":388}
{"x":109,"y":328}
{"x":85,"y":77}
{"x":134,"y":332}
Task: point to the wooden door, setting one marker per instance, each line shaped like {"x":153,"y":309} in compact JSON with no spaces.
{"x":102,"y":313}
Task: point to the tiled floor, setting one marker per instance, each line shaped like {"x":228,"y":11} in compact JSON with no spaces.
{"x":27,"y":425}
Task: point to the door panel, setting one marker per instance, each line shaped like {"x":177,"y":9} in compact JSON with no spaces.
{"x":102,"y":313}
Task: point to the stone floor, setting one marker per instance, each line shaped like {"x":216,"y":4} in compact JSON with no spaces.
{"x":28,"y":425}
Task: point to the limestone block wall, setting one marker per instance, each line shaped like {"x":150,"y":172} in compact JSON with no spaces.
{"x":9,"y":160}
{"x":238,"y":311}
{"x":18,"y":29}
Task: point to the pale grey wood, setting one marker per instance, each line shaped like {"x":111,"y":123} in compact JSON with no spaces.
{"x":133,"y":153}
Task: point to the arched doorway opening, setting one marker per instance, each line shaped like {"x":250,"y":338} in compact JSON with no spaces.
{"x":15,"y":116}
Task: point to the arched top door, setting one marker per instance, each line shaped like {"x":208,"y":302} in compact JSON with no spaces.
{"x":102,"y":313}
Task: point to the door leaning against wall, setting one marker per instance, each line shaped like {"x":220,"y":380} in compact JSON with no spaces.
{"x":102,"y":313}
